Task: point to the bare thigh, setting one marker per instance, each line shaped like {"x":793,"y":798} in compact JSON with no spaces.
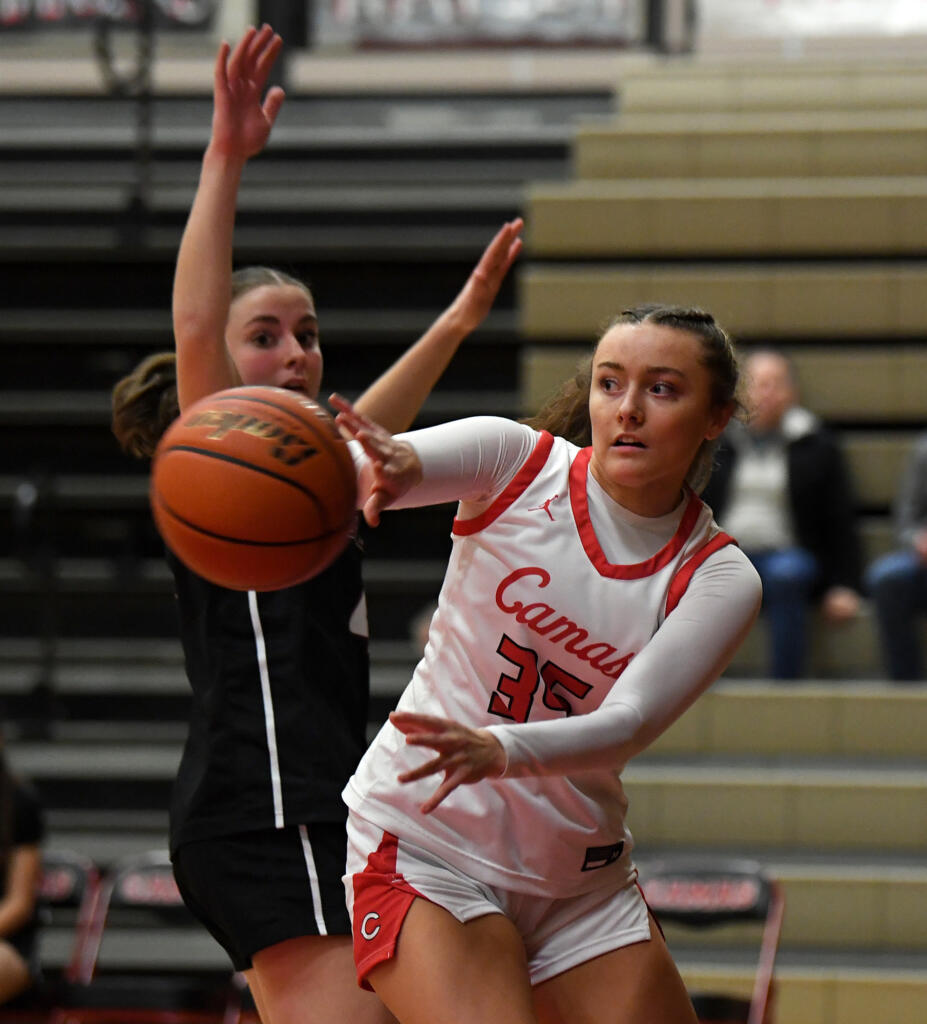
{"x":637,"y":984}
{"x":455,"y":973}
{"x":311,"y":980}
{"x":14,"y":972}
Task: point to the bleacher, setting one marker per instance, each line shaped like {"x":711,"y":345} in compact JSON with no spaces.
{"x":785,"y":199}
{"x":803,"y":230}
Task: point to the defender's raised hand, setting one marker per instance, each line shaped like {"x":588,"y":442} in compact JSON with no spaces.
{"x":475,"y":299}
{"x":242,"y":115}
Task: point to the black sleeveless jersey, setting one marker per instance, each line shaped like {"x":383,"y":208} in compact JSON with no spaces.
{"x":280,"y":697}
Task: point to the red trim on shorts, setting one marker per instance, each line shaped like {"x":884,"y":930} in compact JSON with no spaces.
{"x":382,"y":898}
{"x":515,"y":488}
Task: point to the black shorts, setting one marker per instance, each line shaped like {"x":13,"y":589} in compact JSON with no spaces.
{"x":25,"y":942}
{"x":255,"y":889}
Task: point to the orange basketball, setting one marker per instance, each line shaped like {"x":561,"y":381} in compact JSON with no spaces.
{"x":254,"y":488}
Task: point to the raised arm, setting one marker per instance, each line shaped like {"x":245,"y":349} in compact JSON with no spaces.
{"x":241,"y":124}
{"x":395,"y":398}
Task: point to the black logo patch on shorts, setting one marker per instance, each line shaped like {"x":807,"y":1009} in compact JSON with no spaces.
{"x":602,"y":856}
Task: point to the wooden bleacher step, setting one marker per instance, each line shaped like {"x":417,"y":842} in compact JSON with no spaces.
{"x":754,"y":300}
{"x":697,"y":85}
{"x":793,"y":217}
{"x":807,"y":144}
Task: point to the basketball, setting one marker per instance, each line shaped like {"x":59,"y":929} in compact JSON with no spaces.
{"x":254,"y":488}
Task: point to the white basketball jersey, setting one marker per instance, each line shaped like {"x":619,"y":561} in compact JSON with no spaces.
{"x":533,"y":623}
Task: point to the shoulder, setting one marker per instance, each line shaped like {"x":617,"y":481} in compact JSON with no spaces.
{"x":729,"y":566}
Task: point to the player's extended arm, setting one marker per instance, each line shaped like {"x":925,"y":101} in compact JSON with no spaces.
{"x":687,"y":653}
{"x":682,"y":659}
{"x":241,"y":124}
{"x":394,"y":399}
{"x":467,"y":460}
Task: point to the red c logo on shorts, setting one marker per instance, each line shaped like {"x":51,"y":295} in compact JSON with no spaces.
{"x":363,"y":928}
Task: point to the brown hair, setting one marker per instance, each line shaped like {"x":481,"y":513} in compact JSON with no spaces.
{"x":248,"y":278}
{"x":144,"y":404}
{"x":566,"y":412}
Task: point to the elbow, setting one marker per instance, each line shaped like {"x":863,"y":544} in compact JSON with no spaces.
{"x":194,"y":330}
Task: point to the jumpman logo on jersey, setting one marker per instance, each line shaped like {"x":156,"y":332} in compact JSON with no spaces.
{"x":546,"y":507}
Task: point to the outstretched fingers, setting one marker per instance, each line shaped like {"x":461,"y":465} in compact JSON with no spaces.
{"x":501,"y":252}
{"x":412,"y":722}
{"x":272,"y":103}
{"x":464,"y":755}
{"x":220,"y":70}
{"x":452,"y":779}
{"x":393,"y":467}
{"x":265,"y":49}
{"x":374,"y":438}
{"x":239,"y":55}
{"x":482,"y":286}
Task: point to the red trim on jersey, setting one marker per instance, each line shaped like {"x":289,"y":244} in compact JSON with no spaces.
{"x":680,"y":582}
{"x":515,"y":488}
{"x":382,"y":898}
{"x":580,"y":502}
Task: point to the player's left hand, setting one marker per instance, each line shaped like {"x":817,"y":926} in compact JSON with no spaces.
{"x":393,"y":469}
{"x":465,"y":755}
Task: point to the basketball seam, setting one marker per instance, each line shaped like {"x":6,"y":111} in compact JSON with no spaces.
{"x":245,"y":464}
{"x":316,"y":538}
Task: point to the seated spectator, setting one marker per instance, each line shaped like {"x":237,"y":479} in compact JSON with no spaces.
{"x":782,"y":489}
{"x":21,"y":833}
{"x":898,"y":581}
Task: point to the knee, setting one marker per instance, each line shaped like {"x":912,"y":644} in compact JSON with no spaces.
{"x":15,"y":976}
{"x":789,"y":575}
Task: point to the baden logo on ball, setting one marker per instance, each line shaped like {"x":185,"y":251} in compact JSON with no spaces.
{"x":254,"y":488}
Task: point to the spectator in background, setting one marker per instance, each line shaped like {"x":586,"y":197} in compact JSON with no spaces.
{"x":781,"y":487}
{"x":21,"y":833}
{"x":897,"y":581}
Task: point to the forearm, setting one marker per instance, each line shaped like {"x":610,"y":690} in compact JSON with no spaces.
{"x":395,"y":398}
{"x":468,"y":460}
{"x":202,"y":280}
